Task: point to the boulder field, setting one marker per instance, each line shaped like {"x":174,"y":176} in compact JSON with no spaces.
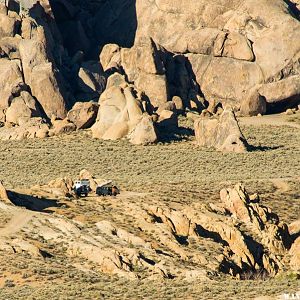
{"x":74,"y":65}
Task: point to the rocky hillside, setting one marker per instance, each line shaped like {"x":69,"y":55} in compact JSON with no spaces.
{"x":148,"y":61}
{"x":237,"y":236}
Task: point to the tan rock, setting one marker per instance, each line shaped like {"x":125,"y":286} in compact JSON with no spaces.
{"x":273,"y":236}
{"x":294,"y":227}
{"x":144,"y":133}
{"x":3,"y":194}
{"x":235,"y":201}
{"x":119,"y":114}
{"x":253,"y":105}
{"x":168,"y":119}
{"x":9,"y":47}
{"x":169,"y":106}
{"x":284,"y":90}
{"x":91,"y":79}
{"x":22,"y":107}
{"x":62,"y":126}
{"x":144,"y":66}
{"x":178,"y":103}
{"x":29,"y":128}
{"x":247,"y":51}
{"x":110,"y":56}
{"x":83,"y":114}
{"x":117,"y":80}
{"x":237,"y":46}
{"x":295,"y":255}
{"x":42,"y":78}
{"x":223,"y":134}
{"x":8,"y":26}
{"x":10,"y":79}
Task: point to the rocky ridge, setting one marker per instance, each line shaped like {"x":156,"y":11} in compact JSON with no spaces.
{"x":151,"y":240}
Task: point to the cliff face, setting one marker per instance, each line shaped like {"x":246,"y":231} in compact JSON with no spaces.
{"x":206,"y":53}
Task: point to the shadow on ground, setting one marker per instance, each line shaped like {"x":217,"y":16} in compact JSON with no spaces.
{"x":33,"y":203}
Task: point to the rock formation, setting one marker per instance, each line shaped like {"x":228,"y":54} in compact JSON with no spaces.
{"x":232,"y":47}
{"x":121,"y":115}
{"x":204,"y":55}
{"x":222,"y":133}
{"x":245,"y":236}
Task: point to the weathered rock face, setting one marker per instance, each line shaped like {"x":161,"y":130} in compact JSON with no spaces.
{"x":121,"y":114}
{"x":41,"y":76}
{"x":232,"y":47}
{"x":240,"y":236}
{"x":223,"y":134}
{"x":30,"y":51}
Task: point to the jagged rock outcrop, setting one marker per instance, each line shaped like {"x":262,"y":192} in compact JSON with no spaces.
{"x":222,"y":133}
{"x":238,"y":236}
{"x":274,"y":234}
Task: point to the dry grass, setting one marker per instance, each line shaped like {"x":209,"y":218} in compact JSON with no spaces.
{"x":174,"y":172}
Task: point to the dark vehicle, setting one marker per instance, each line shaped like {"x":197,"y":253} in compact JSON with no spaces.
{"x":82,"y":187}
{"x":107,"y":190}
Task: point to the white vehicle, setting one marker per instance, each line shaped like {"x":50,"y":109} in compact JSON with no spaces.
{"x":82,"y":187}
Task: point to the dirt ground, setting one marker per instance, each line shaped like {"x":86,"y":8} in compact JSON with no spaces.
{"x":173,"y":173}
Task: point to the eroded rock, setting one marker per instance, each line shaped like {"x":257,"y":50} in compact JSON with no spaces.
{"x":223,"y":134}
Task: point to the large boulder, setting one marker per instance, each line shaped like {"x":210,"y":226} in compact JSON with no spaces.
{"x":222,"y":133}
{"x":23,"y":107}
{"x":11,"y":81}
{"x":144,"y":133}
{"x":42,"y":77}
{"x":143,"y":65}
{"x":282,"y":94}
{"x":120,"y":114}
{"x":83,"y":114}
{"x":253,"y":104}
